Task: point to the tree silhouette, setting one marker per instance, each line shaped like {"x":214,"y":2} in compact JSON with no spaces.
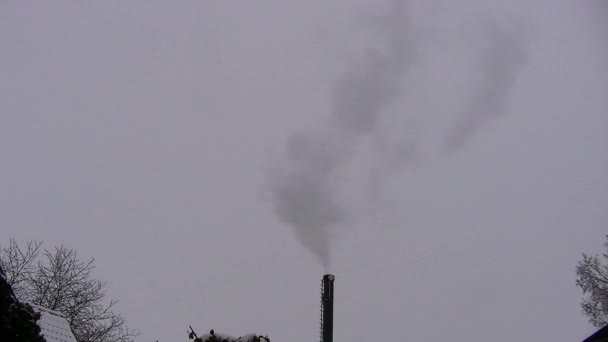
{"x":18,"y":322}
{"x":58,"y":280}
{"x":592,"y":278}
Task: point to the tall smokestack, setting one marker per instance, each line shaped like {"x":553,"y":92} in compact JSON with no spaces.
{"x":327,"y":308}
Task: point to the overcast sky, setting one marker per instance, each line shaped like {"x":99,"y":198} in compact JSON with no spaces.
{"x":446,"y":160}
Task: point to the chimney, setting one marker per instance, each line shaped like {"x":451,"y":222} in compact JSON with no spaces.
{"x":327,"y":308}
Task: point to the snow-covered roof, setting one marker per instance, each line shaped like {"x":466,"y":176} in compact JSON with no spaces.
{"x":53,"y":325}
{"x":227,"y":338}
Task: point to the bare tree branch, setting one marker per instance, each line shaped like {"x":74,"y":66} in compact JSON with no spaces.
{"x":60,"y":281}
{"x":592,"y":278}
{"x":19,"y":264}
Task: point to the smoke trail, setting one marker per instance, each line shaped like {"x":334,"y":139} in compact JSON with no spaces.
{"x":303,"y":194}
{"x":503,"y":57}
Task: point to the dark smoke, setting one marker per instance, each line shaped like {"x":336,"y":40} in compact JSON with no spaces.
{"x":304,"y":192}
{"x":304,"y":196}
{"x":501,"y":60}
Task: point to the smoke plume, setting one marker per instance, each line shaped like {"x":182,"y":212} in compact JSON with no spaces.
{"x":501,"y":60}
{"x":304,"y":190}
{"x":303,"y":194}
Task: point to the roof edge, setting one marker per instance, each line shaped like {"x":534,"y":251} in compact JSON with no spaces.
{"x":43,"y":309}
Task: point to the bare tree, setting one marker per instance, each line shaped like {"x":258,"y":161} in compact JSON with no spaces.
{"x":60,"y":281}
{"x":18,"y":321}
{"x":19,"y":265}
{"x":592,"y":278}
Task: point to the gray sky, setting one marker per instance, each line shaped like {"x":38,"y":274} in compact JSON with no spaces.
{"x":453,"y":154}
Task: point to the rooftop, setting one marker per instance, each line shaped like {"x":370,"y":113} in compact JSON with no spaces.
{"x":53,"y":325}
